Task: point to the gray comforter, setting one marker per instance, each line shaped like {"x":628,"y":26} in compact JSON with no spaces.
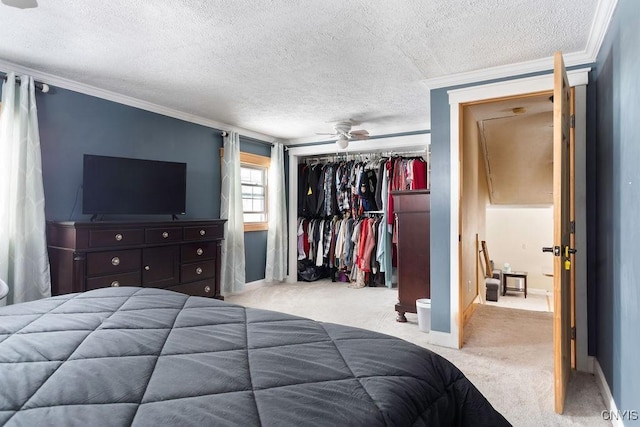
{"x":139,"y":356}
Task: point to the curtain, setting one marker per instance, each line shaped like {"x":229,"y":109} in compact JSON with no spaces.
{"x":24,"y":263}
{"x":232,"y":264}
{"x":276,"y":266}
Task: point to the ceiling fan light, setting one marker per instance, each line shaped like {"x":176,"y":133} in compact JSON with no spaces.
{"x":342,"y":142}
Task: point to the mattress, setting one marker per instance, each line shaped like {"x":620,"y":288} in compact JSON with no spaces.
{"x":142,"y":356}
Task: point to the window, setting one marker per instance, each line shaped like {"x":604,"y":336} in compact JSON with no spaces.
{"x":254,"y":193}
{"x":254,"y":171}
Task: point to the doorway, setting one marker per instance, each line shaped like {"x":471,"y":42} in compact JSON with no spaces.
{"x":576,"y":79}
{"x":507,"y":199}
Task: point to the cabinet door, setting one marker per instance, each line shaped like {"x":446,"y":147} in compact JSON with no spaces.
{"x":160,"y":266}
{"x":413,"y":258}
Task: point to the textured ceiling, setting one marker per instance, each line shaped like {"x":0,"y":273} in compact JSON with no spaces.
{"x":288,"y":69}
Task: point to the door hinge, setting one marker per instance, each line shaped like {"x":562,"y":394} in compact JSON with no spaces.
{"x":573,"y":332}
{"x":573,"y":121}
{"x":572,"y":227}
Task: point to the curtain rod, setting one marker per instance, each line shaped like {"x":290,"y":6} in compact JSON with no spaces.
{"x":258,"y":141}
{"x":43,"y":87}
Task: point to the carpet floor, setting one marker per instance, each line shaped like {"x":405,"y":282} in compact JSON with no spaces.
{"x":507,"y":353}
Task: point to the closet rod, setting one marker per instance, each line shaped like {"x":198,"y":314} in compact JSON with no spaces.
{"x":369,"y":155}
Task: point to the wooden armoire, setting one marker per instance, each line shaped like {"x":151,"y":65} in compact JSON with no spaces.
{"x":412,"y":212}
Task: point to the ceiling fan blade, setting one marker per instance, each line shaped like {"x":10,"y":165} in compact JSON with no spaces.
{"x":325,"y":133}
{"x":359,"y":136}
{"x":21,"y":4}
{"x":359,"y":132}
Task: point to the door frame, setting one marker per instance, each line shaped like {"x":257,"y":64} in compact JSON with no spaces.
{"x":461,"y":258}
{"x":480,"y":92}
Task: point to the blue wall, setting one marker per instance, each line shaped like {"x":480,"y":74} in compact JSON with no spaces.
{"x":440,"y":211}
{"x":72,"y":124}
{"x":615,"y":151}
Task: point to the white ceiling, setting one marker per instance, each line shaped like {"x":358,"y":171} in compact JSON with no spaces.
{"x":288,"y":69}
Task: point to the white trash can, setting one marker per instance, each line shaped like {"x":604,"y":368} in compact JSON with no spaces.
{"x":423,"y":307}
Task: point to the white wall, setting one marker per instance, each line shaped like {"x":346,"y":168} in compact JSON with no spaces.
{"x":516,"y":235}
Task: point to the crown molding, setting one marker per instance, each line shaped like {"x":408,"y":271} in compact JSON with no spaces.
{"x":85,"y":89}
{"x":599,"y":26}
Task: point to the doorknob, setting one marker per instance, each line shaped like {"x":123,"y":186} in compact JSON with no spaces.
{"x":555,"y":250}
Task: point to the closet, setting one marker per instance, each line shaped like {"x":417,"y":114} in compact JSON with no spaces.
{"x":341,"y":212}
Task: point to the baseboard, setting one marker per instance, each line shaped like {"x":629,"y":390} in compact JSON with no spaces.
{"x":468,"y":312}
{"x":442,"y":339}
{"x":537,"y":291}
{"x":605,"y":391}
{"x":251,"y":286}
{"x":255,"y":284}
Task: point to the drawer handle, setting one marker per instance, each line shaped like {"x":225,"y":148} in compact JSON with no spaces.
{"x":147,"y":268}
{"x":115,"y":260}
{"x":115,"y":284}
{"x":199,"y":251}
{"x":202,"y":232}
{"x":207,"y":289}
{"x":198,"y":270}
{"x":118,"y":237}
{"x":165,"y":235}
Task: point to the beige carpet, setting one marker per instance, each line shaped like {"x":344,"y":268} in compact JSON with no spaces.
{"x":507,"y":352}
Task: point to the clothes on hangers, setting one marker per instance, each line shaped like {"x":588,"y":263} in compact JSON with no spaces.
{"x":335,"y":229}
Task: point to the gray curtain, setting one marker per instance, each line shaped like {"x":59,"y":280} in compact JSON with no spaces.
{"x":277,"y":241}
{"x":24,"y":263}
{"x":233,"y":263}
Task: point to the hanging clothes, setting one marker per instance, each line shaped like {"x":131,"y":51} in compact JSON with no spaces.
{"x":336,"y":227}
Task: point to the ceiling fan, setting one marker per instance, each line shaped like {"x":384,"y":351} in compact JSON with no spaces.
{"x":21,"y":4}
{"x":345,"y":134}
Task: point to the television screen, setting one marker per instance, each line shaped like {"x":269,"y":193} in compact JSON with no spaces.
{"x":117,"y":185}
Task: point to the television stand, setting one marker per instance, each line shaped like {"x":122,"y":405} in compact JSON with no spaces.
{"x":180,"y":256}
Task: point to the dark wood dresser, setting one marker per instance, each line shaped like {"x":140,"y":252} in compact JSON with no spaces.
{"x":183,"y":256}
{"x":412,"y":211}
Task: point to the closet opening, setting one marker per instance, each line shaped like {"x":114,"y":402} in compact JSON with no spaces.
{"x":341,"y":212}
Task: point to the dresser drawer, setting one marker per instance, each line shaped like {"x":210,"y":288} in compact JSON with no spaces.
{"x":160,"y":235}
{"x":197,"y":271}
{"x":112,"y":262}
{"x":116,"y":237}
{"x":205,"y":232}
{"x":124,"y":279}
{"x":203,"y":288}
{"x":196,"y":251}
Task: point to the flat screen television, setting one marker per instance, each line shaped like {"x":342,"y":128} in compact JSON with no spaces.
{"x":118,"y":185}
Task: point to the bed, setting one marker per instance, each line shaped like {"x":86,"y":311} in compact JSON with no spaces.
{"x":142,"y":356}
